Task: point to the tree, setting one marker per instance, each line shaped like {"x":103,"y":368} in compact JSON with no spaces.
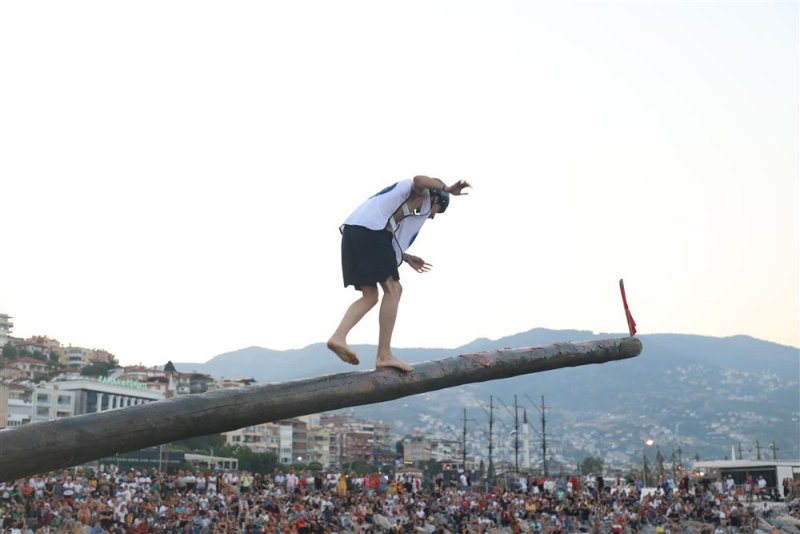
{"x":208,"y":443}
{"x":592,"y":464}
{"x":98,"y":369}
{"x":430,"y":468}
{"x":42,"y":377}
{"x":9,"y":352}
{"x":315,"y":466}
{"x":659,"y":465}
{"x":255,"y":462}
{"x":633,"y":475}
{"x":170,"y":368}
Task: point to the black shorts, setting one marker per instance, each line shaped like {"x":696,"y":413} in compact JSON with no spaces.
{"x":367,"y":256}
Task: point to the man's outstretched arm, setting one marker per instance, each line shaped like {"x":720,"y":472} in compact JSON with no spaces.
{"x":426,"y":182}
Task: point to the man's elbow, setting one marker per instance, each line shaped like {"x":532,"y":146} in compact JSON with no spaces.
{"x":420,"y":181}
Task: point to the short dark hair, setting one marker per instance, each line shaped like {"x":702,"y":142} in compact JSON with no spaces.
{"x":441,"y":196}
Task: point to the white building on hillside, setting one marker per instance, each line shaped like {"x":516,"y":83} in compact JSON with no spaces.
{"x":77,"y":357}
{"x":285,"y":435}
{"x":258,"y":438}
{"x":318,"y":445}
{"x":525,"y":442}
{"x":19,"y":406}
{"x":50,"y":403}
{"x":100,"y":395}
{"x":276,"y":438}
{"x":3,"y":405}
{"x":29,"y":367}
{"x":5,"y":328}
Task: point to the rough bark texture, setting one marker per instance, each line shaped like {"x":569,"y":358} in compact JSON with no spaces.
{"x":41,"y":447}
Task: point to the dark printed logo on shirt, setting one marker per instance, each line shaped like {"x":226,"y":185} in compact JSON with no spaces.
{"x":385,"y":190}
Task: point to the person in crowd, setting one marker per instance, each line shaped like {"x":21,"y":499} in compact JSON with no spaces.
{"x":374,"y":503}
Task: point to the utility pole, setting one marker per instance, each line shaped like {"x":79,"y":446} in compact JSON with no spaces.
{"x":464,"y":444}
{"x":542,"y":408}
{"x":516,"y":436}
{"x":490,"y":472}
{"x":758,"y":449}
{"x":544,"y":440}
{"x":673,"y":461}
{"x":774,"y":449}
{"x":339,"y":447}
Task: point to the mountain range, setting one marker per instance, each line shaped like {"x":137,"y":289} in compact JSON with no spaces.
{"x":695,"y":395}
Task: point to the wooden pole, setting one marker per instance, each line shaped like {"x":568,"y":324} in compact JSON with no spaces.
{"x":41,"y":447}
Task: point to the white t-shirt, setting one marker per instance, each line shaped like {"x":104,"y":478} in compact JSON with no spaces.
{"x":375,"y":212}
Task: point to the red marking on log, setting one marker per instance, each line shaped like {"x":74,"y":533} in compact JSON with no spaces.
{"x":628,"y":316}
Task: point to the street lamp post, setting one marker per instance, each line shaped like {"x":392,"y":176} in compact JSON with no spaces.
{"x":644,"y":471}
{"x":677,"y":465}
{"x":648,"y":443}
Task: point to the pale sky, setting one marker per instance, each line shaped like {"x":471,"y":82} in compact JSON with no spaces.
{"x":173,"y":174}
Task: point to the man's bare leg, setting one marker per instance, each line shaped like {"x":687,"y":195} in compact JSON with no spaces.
{"x":355,"y":312}
{"x":388,"y":315}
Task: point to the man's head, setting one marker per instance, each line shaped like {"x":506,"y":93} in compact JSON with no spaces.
{"x":439,"y":201}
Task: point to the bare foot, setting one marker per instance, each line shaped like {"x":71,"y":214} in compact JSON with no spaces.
{"x":343,"y":351}
{"x":395,"y":363}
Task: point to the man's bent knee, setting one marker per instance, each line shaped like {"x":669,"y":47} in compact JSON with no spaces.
{"x":392,"y":287}
{"x":370,"y":295}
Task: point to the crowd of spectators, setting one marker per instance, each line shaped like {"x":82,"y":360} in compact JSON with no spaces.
{"x":132,"y":502}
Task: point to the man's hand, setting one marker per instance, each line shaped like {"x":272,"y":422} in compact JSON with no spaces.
{"x":457,"y":188}
{"x":417,"y":263}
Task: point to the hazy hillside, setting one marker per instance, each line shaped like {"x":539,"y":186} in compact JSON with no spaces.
{"x":701,"y":394}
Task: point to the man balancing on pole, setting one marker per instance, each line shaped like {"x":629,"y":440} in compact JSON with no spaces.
{"x":374,"y":242}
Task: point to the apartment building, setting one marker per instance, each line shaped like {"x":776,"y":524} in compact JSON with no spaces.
{"x":358,"y":439}
{"x":258,"y":438}
{"x":43,"y":345}
{"x":29,"y":367}
{"x":76,"y":357}
{"x":3,"y":405}
{"x":188,"y":383}
{"x":299,"y":441}
{"x":5,"y":328}
{"x":19,"y":406}
{"x":100,"y":395}
{"x":287,"y":440}
{"x":349,"y":446}
{"x":318,"y":445}
{"x":416,"y":449}
{"x":285,"y":433}
{"x":50,"y":403}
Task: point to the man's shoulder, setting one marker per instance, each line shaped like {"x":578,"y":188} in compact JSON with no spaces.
{"x":398,"y":188}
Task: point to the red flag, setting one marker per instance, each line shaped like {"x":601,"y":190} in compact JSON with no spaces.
{"x":628,"y":316}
